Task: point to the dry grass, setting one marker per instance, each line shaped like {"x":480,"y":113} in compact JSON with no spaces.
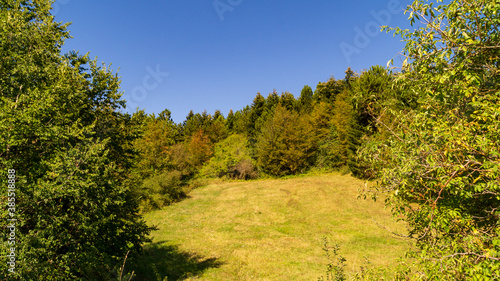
{"x":269,"y":230}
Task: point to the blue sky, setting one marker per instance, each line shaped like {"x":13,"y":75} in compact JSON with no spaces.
{"x":209,"y":55}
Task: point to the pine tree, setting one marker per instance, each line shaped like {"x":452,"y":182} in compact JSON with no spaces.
{"x":256,"y":110}
{"x":272,"y":101}
{"x":288,"y":100}
{"x":230,"y":121}
{"x":304,"y":103}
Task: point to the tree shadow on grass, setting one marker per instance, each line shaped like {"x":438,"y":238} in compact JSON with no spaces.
{"x":159,"y":261}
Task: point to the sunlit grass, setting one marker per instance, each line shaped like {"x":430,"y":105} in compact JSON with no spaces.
{"x":269,"y":230}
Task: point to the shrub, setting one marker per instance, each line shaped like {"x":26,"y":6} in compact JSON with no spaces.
{"x":231,"y":159}
{"x":162,"y":189}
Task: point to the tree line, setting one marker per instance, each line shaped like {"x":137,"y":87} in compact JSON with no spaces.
{"x":275,"y":136}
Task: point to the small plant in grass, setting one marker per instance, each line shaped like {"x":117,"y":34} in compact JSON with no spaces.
{"x":368,"y":272}
{"x":336,"y":263}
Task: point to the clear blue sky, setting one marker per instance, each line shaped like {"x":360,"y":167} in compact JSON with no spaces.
{"x":219,"y":54}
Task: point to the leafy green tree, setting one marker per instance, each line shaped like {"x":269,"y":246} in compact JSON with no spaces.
{"x":156,"y":178}
{"x":441,"y":164}
{"x":286,"y":143}
{"x":162,"y":189}
{"x":159,"y":134}
{"x":61,"y":131}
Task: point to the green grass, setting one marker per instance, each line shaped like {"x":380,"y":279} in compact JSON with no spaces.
{"x":268,"y":230}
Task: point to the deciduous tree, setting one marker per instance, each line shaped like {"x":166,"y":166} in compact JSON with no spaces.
{"x":60,"y":130}
{"x":442,"y":163}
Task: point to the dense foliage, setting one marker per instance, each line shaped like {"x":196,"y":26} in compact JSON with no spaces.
{"x":62,"y":134}
{"x":429,"y":135}
{"x":440,"y":165}
{"x":274,"y":136}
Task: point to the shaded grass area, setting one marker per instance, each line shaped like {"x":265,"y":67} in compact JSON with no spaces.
{"x":269,"y":230}
{"x":162,"y":260}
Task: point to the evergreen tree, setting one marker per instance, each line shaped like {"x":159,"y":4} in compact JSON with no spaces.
{"x":257,"y":108}
{"x":372,"y":94}
{"x":241,"y":120}
{"x":288,"y":100}
{"x":230,"y":121}
{"x":328,"y":153}
{"x":305,"y":100}
{"x":342,"y":121}
{"x":216,"y":128}
{"x":328,"y":91}
{"x":272,"y":101}
{"x":349,"y":76}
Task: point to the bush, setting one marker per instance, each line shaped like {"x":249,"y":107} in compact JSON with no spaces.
{"x":231,"y":159}
{"x":162,"y":189}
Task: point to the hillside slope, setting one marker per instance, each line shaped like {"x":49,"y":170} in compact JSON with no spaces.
{"x":269,"y":230}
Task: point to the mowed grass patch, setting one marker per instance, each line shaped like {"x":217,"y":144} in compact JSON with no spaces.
{"x":270,"y":230}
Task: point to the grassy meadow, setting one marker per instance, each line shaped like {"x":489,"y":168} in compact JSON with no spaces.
{"x":269,"y":230}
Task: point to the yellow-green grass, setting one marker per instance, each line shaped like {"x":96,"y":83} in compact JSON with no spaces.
{"x":269,"y":230}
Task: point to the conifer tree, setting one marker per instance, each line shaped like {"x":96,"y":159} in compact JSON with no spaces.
{"x":305,"y":100}
{"x":328,"y":91}
{"x":272,"y":101}
{"x":288,"y":100}
{"x":342,"y":121}
{"x":230,"y":121}
{"x":256,"y":110}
